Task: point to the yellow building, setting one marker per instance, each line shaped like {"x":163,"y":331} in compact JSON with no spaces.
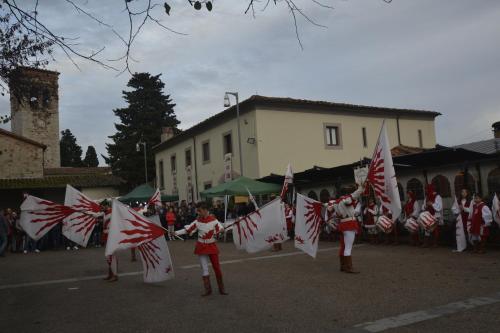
{"x":277,"y":131}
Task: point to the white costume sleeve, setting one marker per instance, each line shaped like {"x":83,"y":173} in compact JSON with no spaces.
{"x":188,"y":229}
{"x":416,"y":209}
{"x":487,"y":216}
{"x":455,"y":208}
{"x":356,"y":194}
{"x":438,"y":204}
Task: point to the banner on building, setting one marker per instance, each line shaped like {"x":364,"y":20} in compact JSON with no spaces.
{"x":189,"y":177}
{"x":228,"y":167}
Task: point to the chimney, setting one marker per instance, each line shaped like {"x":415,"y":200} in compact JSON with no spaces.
{"x":167,"y":133}
{"x":496,"y":130}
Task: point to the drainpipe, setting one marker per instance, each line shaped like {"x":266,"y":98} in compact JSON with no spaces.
{"x":399,"y":132}
{"x":195,"y":170}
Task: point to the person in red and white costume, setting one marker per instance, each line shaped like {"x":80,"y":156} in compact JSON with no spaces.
{"x":463,"y":210}
{"x":412,"y":210}
{"x":479,"y":224}
{"x":370,"y":217}
{"x":206,"y":248}
{"x":434,"y":205}
{"x":111,"y":260}
{"x":348,"y":227}
{"x":290,"y":220}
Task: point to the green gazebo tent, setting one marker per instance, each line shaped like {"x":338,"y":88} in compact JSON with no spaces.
{"x":143,"y":193}
{"x":239,"y":186}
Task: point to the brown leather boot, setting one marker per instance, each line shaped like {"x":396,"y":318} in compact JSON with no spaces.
{"x":342,"y":263}
{"x":208,"y":287}
{"x":348,"y":265}
{"x":220,"y":284}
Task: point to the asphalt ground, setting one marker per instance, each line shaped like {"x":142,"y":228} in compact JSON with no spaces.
{"x":400,"y":289}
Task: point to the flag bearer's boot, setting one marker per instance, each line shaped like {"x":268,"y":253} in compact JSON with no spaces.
{"x":220,"y":284}
{"x":113,"y":278}
{"x":348,"y":265}
{"x":482,"y":247}
{"x":208,"y":287}
{"x":342,"y":263}
{"x":425,"y":243}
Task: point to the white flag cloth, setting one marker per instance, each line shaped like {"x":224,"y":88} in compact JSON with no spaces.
{"x":288,"y":180}
{"x":38,"y":216}
{"x":252,"y":199}
{"x":155,"y":257}
{"x":495,"y":208}
{"x":155,"y":199}
{"x":308,"y":222}
{"x":459,"y":228}
{"x":258,"y":231}
{"x":382,"y":177}
{"x":129,"y":229}
{"x":78,"y":226}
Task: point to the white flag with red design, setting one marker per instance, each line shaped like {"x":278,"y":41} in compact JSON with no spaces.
{"x":78,"y":226}
{"x":129,"y":229}
{"x":38,"y":216}
{"x":155,"y":199}
{"x":258,"y":231}
{"x":288,"y":180}
{"x":155,"y":257}
{"x":308,"y":221}
{"x":382,"y":177}
{"x":495,"y":208}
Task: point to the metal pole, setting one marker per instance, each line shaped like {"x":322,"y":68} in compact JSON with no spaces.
{"x":239,"y":134}
{"x":145,"y":162}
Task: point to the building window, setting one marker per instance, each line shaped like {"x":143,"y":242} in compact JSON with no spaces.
{"x":494,"y":182}
{"x":207,"y":185}
{"x":161,"y":175}
{"x":365,"y":140}
{"x":205,"y":150}
{"x":228,"y":143}
{"x":420,"y":139}
{"x":464,"y":180}
{"x":173,"y":163}
{"x":442,"y":186}
{"x":188,"y":157}
{"x":333,"y":136}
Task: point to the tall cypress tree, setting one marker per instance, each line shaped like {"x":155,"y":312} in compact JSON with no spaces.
{"x":148,"y":110}
{"x":71,"y":152}
{"x":90,"y":159}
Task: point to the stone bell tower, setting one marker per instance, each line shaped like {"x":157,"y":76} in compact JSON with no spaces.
{"x":34,"y":107}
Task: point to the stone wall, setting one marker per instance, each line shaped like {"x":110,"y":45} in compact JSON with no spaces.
{"x":19,"y":159}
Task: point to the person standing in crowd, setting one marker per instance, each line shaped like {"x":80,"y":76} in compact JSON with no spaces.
{"x":462,"y":208}
{"x":479,"y":224}
{"x":112,"y":260}
{"x":171,"y":219}
{"x":370,"y":217}
{"x":4,"y":233}
{"x":207,"y":227}
{"x":290,"y":220}
{"x":411,"y":211}
{"x":434,"y":205}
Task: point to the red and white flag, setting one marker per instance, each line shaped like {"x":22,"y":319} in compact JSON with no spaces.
{"x":155,"y":257}
{"x":78,"y":226}
{"x":258,"y":231}
{"x":288,"y":180}
{"x":495,"y":208}
{"x":129,"y":229}
{"x":38,"y":216}
{"x":308,"y":223}
{"x":155,"y":199}
{"x":382,"y":177}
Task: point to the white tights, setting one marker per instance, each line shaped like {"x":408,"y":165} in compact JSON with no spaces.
{"x":348,"y":242}
{"x":204,"y":259}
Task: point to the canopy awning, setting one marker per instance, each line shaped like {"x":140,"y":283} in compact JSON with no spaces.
{"x":239,"y":186}
{"x":143,"y":193}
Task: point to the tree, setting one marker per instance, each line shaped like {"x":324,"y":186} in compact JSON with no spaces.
{"x":90,"y":159}
{"x":148,"y":111}
{"x":71,"y":152}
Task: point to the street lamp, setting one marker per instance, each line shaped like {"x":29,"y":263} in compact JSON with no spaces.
{"x":227,"y":103}
{"x":138,"y":149}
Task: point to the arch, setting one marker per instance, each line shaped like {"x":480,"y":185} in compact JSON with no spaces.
{"x":416,"y":187}
{"x":464,"y":180}
{"x":494,"y":181}
{"x":401,"y":192}
{"x":324,"y":195}
{"x":312,"y":195}
{"x":442,"y":186}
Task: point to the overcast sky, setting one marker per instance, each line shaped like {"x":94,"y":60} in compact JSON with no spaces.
{"x":440,"y":55}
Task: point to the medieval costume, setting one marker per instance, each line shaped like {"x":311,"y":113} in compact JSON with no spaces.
{"x":434,"y":205}
{"x":206,"y":248}
{"x":348,"y":227}
{"x":370,"y":217}
{"x":480,"y":220}
{"x":411,"y":211}
{"x":111,"y":260}
{"x":462,"y":209}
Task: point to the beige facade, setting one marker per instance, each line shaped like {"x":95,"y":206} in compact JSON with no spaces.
{"x":97,"y":193}
{"x":19,"y":157}
{"x":275,"y":132}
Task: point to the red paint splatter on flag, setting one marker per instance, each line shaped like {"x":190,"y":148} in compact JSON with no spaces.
{"x":53,"y":213}
{"x":314,"y":219}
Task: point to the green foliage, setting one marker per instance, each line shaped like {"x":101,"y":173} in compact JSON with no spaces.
{"x":147,"y":112}
{"x":71,"y":152}
{"x":90,"y":159}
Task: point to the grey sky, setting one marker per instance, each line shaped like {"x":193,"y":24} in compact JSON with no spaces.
{"x":441,"y":55}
